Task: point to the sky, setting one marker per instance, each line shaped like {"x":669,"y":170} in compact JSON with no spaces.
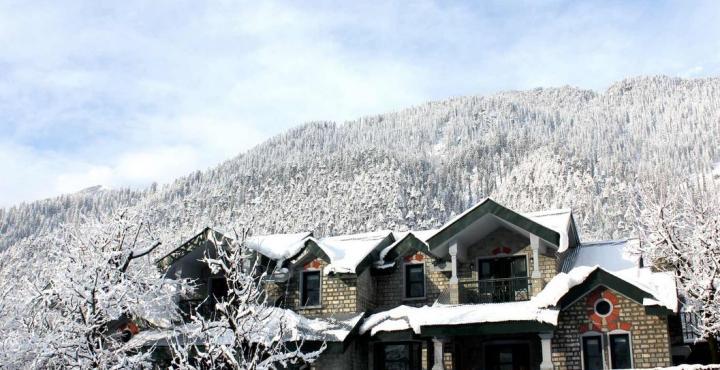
{"x":123,"y":94}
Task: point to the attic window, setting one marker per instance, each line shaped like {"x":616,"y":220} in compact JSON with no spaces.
{"x":603,"y":307}
{"x":415,"y":280}
{"x":310,"y":291}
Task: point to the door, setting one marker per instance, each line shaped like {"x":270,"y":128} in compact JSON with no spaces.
{"x":503,"y":279}
{"x":514,"y":356}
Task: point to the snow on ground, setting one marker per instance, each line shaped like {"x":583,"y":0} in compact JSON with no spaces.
{"x":406,"y":317}
{"x":347,"y":251}
{"x":278,"y":246}
{"x":690,"y":367}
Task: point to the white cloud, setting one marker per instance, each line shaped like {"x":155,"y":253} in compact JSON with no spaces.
{"x":108,"y":93}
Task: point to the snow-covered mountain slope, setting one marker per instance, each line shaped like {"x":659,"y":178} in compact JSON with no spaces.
{"x":543,"y":148}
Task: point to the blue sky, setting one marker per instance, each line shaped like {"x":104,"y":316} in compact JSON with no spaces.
{"x":127,"y":93}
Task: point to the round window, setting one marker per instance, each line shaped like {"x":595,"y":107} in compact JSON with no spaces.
{"x":603,"y":307}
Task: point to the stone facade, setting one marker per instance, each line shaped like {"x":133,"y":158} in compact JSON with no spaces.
{"x":338,"y":293}
{"x":648,"y":333}
{"x":390,"y":285}
{"x":383,"y":289}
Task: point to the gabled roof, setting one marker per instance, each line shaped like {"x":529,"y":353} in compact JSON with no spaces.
{"x":566,"y":288}
{"x":554,"y":230}
{"x":188,"y":246}
{"x":278,"y":246}
{"x":354,"y":253}
{"x":406,"y":242}
{"x":618,"y":258}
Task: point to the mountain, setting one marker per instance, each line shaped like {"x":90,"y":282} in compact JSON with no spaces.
{"x":535,"y":149}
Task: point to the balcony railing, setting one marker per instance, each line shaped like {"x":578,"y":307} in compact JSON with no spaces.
{"x":495,"y":290}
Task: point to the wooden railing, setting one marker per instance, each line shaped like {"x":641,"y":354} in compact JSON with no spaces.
{"x":495,"y":290}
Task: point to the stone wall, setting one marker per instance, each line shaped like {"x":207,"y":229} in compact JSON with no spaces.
{"x":338,"y":292}
{"x":648,"y":333}
{"x":390,"y":286}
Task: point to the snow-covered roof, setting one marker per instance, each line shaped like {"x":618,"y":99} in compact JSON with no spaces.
{"x":406,"y":317}
{"x":295,"y":328}
{"x":660,"y":285}
{"x":612,"y":255}
{"x":422,"y":235}
{"x":616,"y":256}
{"x":346,"y":252}
{"x":558,"y":220}
{"x":278,"y":246}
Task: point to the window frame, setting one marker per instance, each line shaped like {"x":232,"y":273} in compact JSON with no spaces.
{"x":612,"y":307}
{"x":525,"y":256}
{"x":379,"y":347}
{"x":405,"y":281}
{"x":302,"y":288}
{"x":630,"y":346}
{"x":582,"y":347}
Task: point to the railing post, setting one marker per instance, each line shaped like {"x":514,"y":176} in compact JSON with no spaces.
{"x":546,"y":345}
{"x":439,"y":360}
{"x":453,"y":285}
{"x":536,"y":274}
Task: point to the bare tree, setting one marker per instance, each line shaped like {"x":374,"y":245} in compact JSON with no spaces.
{"x":680,"y":231}
{"x":246,"y":331}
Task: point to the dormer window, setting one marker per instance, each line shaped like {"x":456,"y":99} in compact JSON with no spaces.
{"x":415,"y":280}
{"x":310,"y":290}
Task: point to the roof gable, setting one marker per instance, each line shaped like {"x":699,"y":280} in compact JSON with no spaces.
{"x":600,"y":277}
{"x":354,"y":253}
{"x":485,"y":207}
{"x":408,"y":243}
{"x":206,"y":234}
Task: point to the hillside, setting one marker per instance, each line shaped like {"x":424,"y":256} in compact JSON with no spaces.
{"x":542,"y":148}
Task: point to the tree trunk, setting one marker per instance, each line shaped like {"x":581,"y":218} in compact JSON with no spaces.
{"x":713,"y":347}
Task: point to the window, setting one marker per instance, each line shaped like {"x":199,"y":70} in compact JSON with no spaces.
{"x":502,"y":268}
{"x":620,"y":355}
{"x":398,"y":356}
{"x":310,"y":293}
{"x":592,"y":352}
{"x":415,"y":280}
{"x":603,"y":307}
{"x":218,"y":288}
{"x":503,"y":279}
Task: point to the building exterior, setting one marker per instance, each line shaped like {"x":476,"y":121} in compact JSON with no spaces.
{"x":491,"y":289}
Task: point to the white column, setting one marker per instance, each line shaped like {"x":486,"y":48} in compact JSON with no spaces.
{"x":453,"y":257}
{"x":438,"y":363}
{"x":545,"y":343}
{"x":535,"y":245}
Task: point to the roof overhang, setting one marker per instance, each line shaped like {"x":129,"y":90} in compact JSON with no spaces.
{"x":599,"y":277}
{"x":479,"y":212}
{"x":488,"y":328}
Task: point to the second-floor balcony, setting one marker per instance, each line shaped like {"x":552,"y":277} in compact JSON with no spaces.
{"x":495,"y":290}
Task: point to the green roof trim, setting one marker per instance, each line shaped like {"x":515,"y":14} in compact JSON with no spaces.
{"x":488,"y":206}
{"x":167,"y":260}
{"x":374,"y":255}
{"x":600,"y":277}
{"x":488,"y":328}
{"x":409,"y":243}
{"x":311,"y":248}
